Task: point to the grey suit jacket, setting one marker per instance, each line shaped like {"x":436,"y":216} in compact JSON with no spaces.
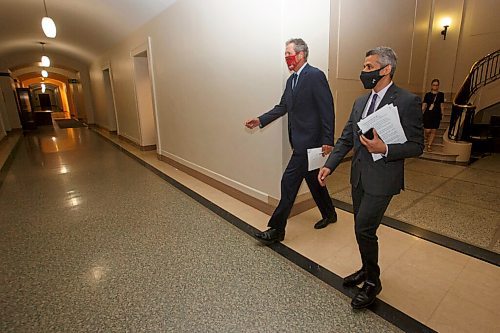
{"x":385,"y":176}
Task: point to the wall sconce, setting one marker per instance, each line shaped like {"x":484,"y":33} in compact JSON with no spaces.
{"x":446,"y":24}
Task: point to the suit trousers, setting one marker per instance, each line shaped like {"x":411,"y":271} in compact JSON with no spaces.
{"x":295,"y":172}
{"x":368,"y":213}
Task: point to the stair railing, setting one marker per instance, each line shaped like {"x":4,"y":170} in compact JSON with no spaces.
{"x":483,"y":72}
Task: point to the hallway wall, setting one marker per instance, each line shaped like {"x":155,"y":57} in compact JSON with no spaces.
{"x":9,"y":95}
{"x":480,"y":36}
{"x":4,"y":120}
{"x":3,"y":113}
{"x":401,"y":25}
{"x":215,"y":64}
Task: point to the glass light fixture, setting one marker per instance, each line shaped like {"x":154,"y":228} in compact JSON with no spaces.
{"x":43,"y":88}
{"x":45,"y":73}
{"x":45,"y":59}
{"x":48,"y":25}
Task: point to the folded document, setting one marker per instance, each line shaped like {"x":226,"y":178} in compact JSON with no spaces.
{"x":387,"y":124}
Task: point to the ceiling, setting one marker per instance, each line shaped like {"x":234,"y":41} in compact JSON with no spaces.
{"x":85,"y":28}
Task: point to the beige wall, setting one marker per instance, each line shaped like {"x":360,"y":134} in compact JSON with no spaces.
{"x":474,"y":32}
{"x":480,"y":36}
{"x":9,"y":94}
{"x":3,"y":117}
{"x":144,"y":98}
{"x":215,"y":64}
{"x":401,"y":25}
{"x":443,"y":53}
{"x":413,"y":29}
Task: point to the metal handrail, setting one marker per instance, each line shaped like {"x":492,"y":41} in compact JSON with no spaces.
{"x":483,"y":72}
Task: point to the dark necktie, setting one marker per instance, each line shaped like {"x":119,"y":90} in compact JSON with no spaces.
{"x":294,"y":80}
{"x":371,"y":109}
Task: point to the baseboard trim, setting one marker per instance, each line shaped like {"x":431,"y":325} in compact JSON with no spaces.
{"x":235,"y":193}
{"x":380,"y":308}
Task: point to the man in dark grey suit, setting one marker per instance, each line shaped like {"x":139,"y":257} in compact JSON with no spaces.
{"x":375,"y":182}
{"x":308,"y":101}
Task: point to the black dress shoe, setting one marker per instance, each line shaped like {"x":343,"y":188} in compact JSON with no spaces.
{"x":324,"y":222}
{"x":355,"y":278}
{"x":367,"y":295}
{"x":271,"y":235}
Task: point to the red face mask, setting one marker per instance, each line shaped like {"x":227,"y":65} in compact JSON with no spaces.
{"x":291,"y":61}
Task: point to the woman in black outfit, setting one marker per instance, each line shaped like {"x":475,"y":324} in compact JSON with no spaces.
{"x":431,"y":107}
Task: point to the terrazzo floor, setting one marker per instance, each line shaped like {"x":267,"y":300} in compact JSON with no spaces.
{"x":91,"y":241}
{"x":443,"y":289}
{"x":461,"y":202}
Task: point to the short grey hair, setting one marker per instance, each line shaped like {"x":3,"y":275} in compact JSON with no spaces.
{"x":386,"y":56}
{"x":299,"y":46}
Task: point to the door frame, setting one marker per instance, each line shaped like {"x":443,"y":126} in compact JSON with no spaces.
{"x":107,"y":67}
{"x":147,"y":47}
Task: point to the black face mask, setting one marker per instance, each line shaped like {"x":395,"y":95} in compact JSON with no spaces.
{"x":370,"y":79}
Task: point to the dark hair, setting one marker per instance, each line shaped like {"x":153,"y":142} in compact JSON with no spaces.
{"x":435,"y":80}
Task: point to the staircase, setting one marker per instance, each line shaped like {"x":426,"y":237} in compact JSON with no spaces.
{"x":458,"y":136}
{"x":437,"y":153}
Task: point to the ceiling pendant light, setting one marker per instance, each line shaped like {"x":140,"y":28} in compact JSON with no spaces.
{"x":45,"y":59}
{"x":48,"y":25}
{"x":45,"y":73}
{"x":43,"y":88}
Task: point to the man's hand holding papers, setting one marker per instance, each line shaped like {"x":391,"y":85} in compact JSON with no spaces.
{"x":386,"y":127}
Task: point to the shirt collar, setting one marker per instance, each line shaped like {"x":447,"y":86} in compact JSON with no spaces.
{"x":301,"y":68}
{"x":382,"y":92}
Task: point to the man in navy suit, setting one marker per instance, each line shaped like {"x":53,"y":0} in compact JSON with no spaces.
{"x":308,"y":101}
{"x":374,"y":183}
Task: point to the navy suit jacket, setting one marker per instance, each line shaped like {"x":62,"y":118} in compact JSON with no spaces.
{"x":310,"y":109}
{"x":385,"y":176}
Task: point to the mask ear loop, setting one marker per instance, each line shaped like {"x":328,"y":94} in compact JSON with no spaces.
{"x":382,"y":69}
{"x":390,"y":72}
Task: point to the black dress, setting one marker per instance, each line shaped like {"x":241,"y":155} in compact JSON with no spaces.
{"x":432,"y":117}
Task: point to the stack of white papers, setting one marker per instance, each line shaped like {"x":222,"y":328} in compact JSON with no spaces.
{"x":387,"y":124}
{"x":315,"y":158}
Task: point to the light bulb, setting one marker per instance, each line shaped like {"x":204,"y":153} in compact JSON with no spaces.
{"x":43,"y":87}
{"x":45,"y":73}
{"x":446,"y":22}
{"x":49,"y":27}
{"x":45,"y":61}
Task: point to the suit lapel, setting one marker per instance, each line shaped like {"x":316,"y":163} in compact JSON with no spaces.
{"x":302,"y":77}
{"x":361,"y":107}
{"x":389,"y":96}
{"x":289,"y":94}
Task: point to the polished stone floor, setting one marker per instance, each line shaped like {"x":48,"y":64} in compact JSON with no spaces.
{"x":81,"y":262}
{"x":461,"y":202}
{"x":92,"y":241}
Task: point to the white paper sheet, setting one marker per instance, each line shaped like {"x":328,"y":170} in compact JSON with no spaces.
{"x":387,"y":124}
{"x":315,"y":158}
